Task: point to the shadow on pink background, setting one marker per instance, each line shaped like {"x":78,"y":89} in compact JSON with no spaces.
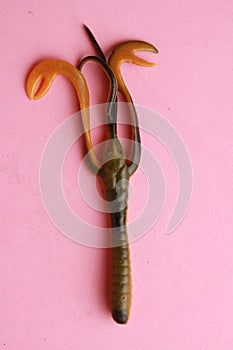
{"x":53,"y":292}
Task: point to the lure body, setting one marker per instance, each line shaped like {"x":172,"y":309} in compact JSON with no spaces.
{"x":115,"y":180}
{"x":116,"y":170}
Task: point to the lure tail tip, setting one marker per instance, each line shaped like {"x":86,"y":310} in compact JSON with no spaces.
{"x":119,"y":316}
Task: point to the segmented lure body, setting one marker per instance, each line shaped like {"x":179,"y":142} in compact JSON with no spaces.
{"x":116,"y":170}
{"x":121,"y":293}
{"x":115,"y":179}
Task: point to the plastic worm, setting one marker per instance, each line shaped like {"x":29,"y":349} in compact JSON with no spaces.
{"x":115,"y":175}
{"x":115,"y":172}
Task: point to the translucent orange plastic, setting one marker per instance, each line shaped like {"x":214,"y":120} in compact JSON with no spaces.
{"x":125,"y":52}
{"x":114,"y":173}
{"x":40,"y":80}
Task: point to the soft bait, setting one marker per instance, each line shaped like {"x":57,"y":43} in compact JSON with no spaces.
{"x":114,"y":174}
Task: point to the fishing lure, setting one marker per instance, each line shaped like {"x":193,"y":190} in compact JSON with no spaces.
{"x":114,"y":174}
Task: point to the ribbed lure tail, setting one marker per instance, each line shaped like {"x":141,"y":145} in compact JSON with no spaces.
{"x":121,"y":290}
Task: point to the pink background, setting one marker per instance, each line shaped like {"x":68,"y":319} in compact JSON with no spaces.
{"x":53,"y":291}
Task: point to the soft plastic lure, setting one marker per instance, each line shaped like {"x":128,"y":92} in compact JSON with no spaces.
{"x":114,"y":174}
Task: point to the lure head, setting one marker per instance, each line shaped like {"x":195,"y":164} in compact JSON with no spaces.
{"x":114,"y":168}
